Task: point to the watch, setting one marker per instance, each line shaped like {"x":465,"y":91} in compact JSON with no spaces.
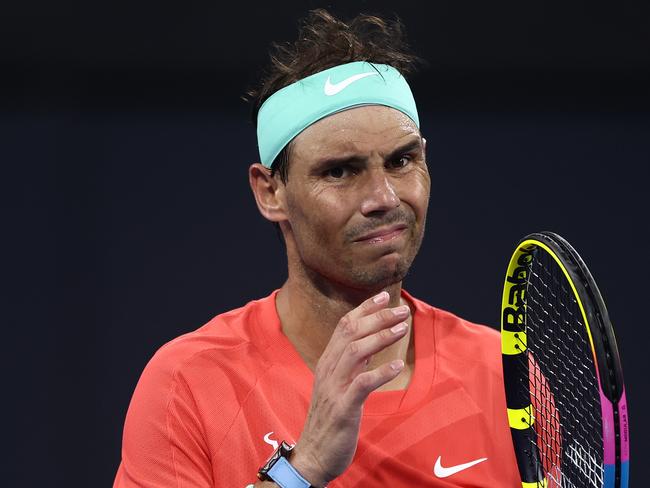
{"x":279,"y":470}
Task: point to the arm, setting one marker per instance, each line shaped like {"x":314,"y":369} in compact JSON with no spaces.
{"x":342,"y":384}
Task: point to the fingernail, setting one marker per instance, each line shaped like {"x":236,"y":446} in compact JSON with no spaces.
{"x":396,"y":329}
{"x":381,"y":297}
{"x":397,"y":365}
{"x":402,"y":311}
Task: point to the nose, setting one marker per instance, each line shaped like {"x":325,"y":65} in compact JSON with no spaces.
{"x":378,"y":193}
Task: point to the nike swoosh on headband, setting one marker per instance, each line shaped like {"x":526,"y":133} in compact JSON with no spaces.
{"x":288,"y":111}
{"x":442,"y":472}
{"x":332,"y":89}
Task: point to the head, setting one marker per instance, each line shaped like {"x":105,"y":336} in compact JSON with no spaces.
{"x":350,"y":191}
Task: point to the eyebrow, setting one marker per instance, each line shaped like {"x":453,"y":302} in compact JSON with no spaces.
{"x":405,"y":148}
{"x":355,"y":158}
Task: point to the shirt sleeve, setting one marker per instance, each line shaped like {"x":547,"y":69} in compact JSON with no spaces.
{"x":163,"y":443}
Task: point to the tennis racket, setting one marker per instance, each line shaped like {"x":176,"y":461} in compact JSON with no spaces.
{"x":562,"y":371}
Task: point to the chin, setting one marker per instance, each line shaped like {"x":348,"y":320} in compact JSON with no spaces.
{"x":380,"y":276}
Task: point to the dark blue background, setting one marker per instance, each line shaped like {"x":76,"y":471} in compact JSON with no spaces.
{"x":128,"y":219}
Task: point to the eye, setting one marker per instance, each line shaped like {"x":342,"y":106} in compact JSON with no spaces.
{"x":400,"y":162}
{"x":338,"y":172}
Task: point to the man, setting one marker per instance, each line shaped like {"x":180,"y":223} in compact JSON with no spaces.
{"x":339,"y":378}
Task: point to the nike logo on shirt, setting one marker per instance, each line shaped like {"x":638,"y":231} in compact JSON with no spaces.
{"x":441,"y":472}
{"x":332,"y":89}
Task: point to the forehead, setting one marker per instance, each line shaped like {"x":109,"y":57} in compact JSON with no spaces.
{"x":360,"y":129}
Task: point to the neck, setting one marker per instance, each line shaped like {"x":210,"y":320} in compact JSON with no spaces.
{"x":310,"y":309}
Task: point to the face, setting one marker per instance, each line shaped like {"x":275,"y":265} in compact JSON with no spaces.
{"x":357,"y":196}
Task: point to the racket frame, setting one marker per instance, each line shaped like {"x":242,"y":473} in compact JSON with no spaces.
{"x":603,"y":347}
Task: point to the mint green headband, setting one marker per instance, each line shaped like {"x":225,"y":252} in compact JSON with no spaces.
{"x":289,"y":111}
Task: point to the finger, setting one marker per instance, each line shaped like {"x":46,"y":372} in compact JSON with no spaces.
{"x":349,"y":330}
{"x":357,"y":352}
{"x":347,"y":323}
{"x":366,"y":383}
{"x":371,"y":305}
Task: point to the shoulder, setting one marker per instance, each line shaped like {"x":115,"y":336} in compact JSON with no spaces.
{"x":462,"y":339}
{"x":197,"y":376}
{"x":224,"y":351}
{"x":226,"y":341}
{"x":452,"y":326}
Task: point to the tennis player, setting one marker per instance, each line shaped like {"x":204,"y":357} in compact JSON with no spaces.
{"x":339,"y":377}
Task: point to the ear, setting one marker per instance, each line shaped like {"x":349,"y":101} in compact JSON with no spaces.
{"x":268,"y":192}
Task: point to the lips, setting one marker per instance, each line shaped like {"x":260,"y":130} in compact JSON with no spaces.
{"x":383,"y":234}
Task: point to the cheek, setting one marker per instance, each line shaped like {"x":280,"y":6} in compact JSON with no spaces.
{"x":316,"y":218}
{"x":423,"y":199}
{"x":415,"y":192}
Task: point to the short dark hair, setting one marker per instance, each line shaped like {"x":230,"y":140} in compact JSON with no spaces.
{"x":323,"y":42}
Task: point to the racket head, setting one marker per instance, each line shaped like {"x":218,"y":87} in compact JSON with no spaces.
{"x":562,"y":371}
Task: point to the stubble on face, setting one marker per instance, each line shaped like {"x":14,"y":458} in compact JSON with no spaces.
{"x":377,"y":275}
{"x":326,"y":225}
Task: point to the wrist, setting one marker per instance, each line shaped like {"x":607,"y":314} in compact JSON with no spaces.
{"x":309,"y":468}
{"x":281,"y":469}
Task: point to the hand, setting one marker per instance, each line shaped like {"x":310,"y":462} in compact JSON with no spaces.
{"x":342,"y":384}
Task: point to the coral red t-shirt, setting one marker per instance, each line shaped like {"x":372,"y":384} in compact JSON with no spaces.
{"x":212,"y":404}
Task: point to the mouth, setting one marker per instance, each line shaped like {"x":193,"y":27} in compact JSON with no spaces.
{"x":383,"y":234}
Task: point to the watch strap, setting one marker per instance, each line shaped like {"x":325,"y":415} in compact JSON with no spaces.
{"x":286,"y":476}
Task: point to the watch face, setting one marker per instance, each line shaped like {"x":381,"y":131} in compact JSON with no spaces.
{"x":283,"y":451}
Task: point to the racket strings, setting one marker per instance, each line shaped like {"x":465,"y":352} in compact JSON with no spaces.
{"x":562,"y":380}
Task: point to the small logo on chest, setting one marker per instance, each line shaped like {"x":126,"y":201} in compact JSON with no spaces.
{"x":443,"y":472}
{"x":271,"y":442}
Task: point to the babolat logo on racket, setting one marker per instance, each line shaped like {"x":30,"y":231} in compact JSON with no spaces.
{"x":513,"y":314}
